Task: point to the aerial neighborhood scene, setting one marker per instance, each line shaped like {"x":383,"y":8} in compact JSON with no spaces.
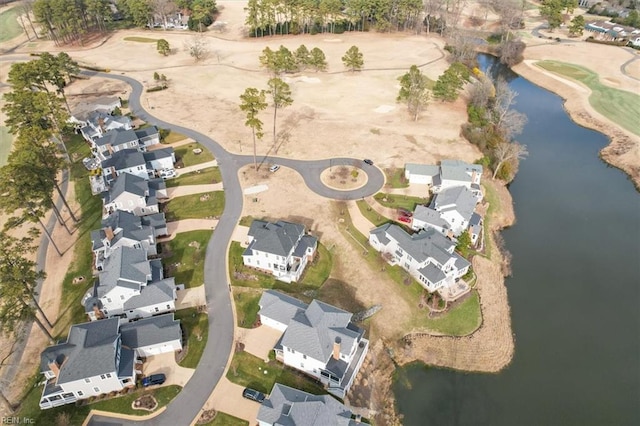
{"x":252,"y":212}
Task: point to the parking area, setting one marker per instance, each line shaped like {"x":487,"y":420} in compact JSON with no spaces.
{"x":259,"y":341}
{"x":166,"y":364}
{"x":227,"y":397}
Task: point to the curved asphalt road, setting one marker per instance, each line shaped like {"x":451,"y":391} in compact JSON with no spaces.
{"x":186,"y":407}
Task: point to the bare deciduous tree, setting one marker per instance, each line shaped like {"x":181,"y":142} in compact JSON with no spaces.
{"x":508,"y":151}
{"x":507,"y":121}
{"x":197,"y":47}
{"x":481,"y":92}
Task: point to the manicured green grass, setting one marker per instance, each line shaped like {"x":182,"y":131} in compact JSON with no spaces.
{"x":76,"y":415}
{"x":9,"y":24}
{"x":185,"y":257}
{"x":249,"y":370}
{"x":195,"y":206}
{"x":370,"y":214}
{"x":396,"y":201}
{"x":396,"y":179}
{"x":185,"y":156}
{"x":173,"y":137}
{"x":461,"y":320}
{"x":141,"y":39}
{"x":199,"y":177}
{"x":406,"y":287}
{"x":314,"y":276}
{"x":5,"y":144}
{"x":247,"y":306}
{"x":224,"y":419}
{"x":246,"y":220}
{"x":619,"y":106}
{"x":196,"y":326}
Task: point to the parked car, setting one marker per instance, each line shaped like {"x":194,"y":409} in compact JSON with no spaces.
{"x":167,"y":173}
{"x":404,"y":219}
{"x":274,"y":168}
{"x":154,"y":379}
{"x":369,"y":162}
{"x":253,"y":395}
{"x":405,"y":212}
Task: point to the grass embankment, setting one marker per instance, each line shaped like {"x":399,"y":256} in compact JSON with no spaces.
{"x":619,"y":106}
{"x":172,"y":137}
{"x":75,"y":415}
{"x":460,"y":320}
{"x":395,"y":178}
{"x":196,"y":326}
{"x":251,"y":371}
{"x":370,"y":214}
{"x":199,"y":177}
{"x":397,"y":201}
{"x":252,"y":281}
{"x":5,"y":144}
{"x":195,"y":206}
{"x":183,"y":257}
{"x":224,"y":419}
{"x":141,"y":39}
{"x":9,"y":24}
{"x":185,"y":156}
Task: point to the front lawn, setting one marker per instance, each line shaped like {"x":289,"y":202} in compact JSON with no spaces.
{"x":250,"y":371}
{"x":195,"y":206}
{"x":185,"y":156}
{"x":198,"y":177}
{"x":9,"y":24}
{"x":462,"y":319}
{"x":183,"y":257}
{"x":398,"y":201}
{"x":172,"y":137}
{"x":247,"y":307}
{"x":224,"y":419}
{"x":195,"y":326}
{"x":370,"y":214}
{"x":313,"y":277}
{"x":396,"y":179}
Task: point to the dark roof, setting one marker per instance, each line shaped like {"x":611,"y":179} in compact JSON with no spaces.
{"x":117,"y":137}
{"x":153,"y":293}
{"x":422,"y":245}
{"x":90,"y":350}
{"x":292,"y":407}
{"x":147,"y":132}
{"x":126,"y":267}
{"x":151,"y":331}
{"x":276,"y":238}
{"x":129,"y":183}
{"x":158,"y":154}
{"x":124,"y":159}
{"x":279,"y":307}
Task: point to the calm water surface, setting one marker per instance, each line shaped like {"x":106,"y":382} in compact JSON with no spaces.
{"x":574,"y":293}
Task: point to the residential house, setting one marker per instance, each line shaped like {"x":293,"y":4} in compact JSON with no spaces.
{"x":455,"y":206}
{"x":124,"y":229}
{"x":130,"y":287}
{"x":318,"y":339}
{"x":125,"y":161}
{"x":282,"y":249}
{"x":475,"y":228}
{"x":289,"y":406}
{"x":99,"y":123}
{"x":81,"y":112}
{"x":114,"y":141}
{"x":134,"y":194}
{"x":153,"y":336}
{"x":458,"y":173}
{"x":147,"y":137}
{"x":99,"y":357}
{"x":421,"y":173}
{"x":425,"y":217}
{"x":428,"y":256}
{"x":91,"y":362}
{"x":159,"y":160}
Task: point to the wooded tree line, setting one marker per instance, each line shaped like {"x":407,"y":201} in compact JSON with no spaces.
{"x":36,"y":117}
{"x":69,"y":21}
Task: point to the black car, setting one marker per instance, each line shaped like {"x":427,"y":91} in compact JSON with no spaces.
{"x":253,"y":395}
{"x":154,"y":379}
{"x":369,"y":162}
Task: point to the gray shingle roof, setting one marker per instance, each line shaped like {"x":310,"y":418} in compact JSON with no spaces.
{"x":430,"y":216}
{"x":124,"y":159}
{"x":158,"y":154}
{"x":307,"y":241}
{"x":151,"y":331}
{"x":433,"y":273}
{"x":117,"y":137}
{"x":126,"y":267}
{"x":422,"y":245}
{"x":422,"y":169}
{"x":277,"y":238}
{"x":153,"y":293}
{"x":292,"y":407}
{"x":279,"y":307}
{"x":146,"y":132}
{"x":127,"y":183}
{"x":90,"y":350}
{"x":458,"y":170}
{"x":458,"y":198}
{"x":129,"y":226}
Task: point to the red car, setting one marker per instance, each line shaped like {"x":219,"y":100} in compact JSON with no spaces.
{"x":405,"y":219}
{"x":404,"y":212}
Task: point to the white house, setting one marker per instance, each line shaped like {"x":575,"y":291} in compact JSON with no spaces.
{"x":130,"y":286}
{"x":458,"y":173}
{"x":455,"y":206}
{"x":124,"y":161}
{"x":153,"y":336}
{"x":134,"y":194}
{"x":421,"y":173}
{"x":475,"y":228}
{"x":426,"y":217}
{"x":124,"y":229}
{"x":289,"y":406}
{"x":148,"y":136}
{"x":114,"y":141}
{"x":428,"y":256}
{"x":99,"y":123}
{"x":99,"y":357}
{"x":158,"y":160}
{"x":281,"y":249}
{"x":91,"y":362}
{"x":319,"y":339}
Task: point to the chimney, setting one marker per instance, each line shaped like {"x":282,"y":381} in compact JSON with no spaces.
{"x":336,"y":348}
{"x":109,"y":233}
{"x":97,"y":311}
{"x":53,"y":366}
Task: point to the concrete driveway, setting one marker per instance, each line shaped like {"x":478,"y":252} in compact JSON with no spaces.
{"x":227,"y":397}
{"x":166,"y":364}
{"x":259,"y":341}
{"x":191,"y":297}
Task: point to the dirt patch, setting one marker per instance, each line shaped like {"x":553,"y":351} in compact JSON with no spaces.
{"x":344,"y":178}
{"x":206,"y":417}
{"x":145,"y":402}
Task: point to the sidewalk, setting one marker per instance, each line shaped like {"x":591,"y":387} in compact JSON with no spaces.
{"x":212,"y":163}
{"x":359,"y":221}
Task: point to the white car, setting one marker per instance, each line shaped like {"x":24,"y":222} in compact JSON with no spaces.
{"x":167,"y":173}
{"x":274,"y":168}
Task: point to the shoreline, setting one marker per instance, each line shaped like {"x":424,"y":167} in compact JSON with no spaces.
{"x":623,"y":149}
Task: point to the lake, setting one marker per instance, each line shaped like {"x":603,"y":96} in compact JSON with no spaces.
{"x":574,"y":291}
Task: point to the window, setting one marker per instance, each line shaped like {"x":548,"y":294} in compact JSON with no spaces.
{"x":304,"y":357}
{"x":122,"y":297}
{"x":108,"y":375}
{"x":80,"y":393}
{"x":87,"y":380}
{"x":157,"y":309}
{"x":96,"y":389}
{"x":168,"y":306}
{"x":102,"y":376}
{"x":109,"y":299}
{"x":301,"y":365}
